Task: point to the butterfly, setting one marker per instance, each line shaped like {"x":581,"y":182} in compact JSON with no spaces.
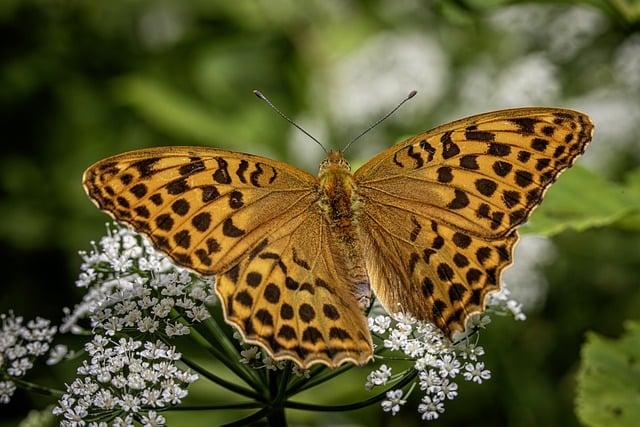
{"x":428,"y":225}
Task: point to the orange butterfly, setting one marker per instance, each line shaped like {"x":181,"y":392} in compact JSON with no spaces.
{"x":428,"y":224}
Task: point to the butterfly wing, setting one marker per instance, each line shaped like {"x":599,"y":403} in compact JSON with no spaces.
{"x":203,"y":207}
{"x":289,"y":296}
{"x":439,"y":210}
{"x":255,"y":224}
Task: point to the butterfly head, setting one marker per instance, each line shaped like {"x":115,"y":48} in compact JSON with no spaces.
{"x":334,"y":162}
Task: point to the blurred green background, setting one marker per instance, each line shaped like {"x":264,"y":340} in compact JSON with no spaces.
{"x":81,"y":80}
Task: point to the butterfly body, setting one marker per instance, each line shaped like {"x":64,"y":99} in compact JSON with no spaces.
{"x":339,"y":202}
{"x":427,"y":225}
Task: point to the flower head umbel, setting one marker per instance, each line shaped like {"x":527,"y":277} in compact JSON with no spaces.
{"x":436,"y":362}
{"x":20,"y":345}
{"x":122,"y":379}
{"x":131,"y":286}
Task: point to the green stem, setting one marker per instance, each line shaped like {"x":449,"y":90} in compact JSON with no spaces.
{"x":277,"y":384}
{"x":231,"y":365}
{"x":284,"y":381}
{"x":230,"y":350}
{"x":46,"y":391}
{"x":242,"y":405}
{"x":406,"y":379}
{"x":248,"y":420}
{"x":314,"y":381}
{"x":221,"y":382}
{"x":300,"y":382}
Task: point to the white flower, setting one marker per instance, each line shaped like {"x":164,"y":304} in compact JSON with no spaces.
{"x":469,"y":350}
{"x":430,"y":408}
{"x":152,"y":419}
{"x":476,"y":373}
{"x":379,"y":324}
{"x":57,"y":353}
{"x":250,"y":355}
{"x":272,"y":364}
{"x":378,"y":377}
{"x":176,"y":329}
{"x":414,"y":348}
{"x":393,"y":402}
{"x":447,"y":390}
{"x":449,"y":366}
{"x":430,"y":381}
{"x":300,"y":372}
{"x":396,"y":341}
{"x":7,"y":388}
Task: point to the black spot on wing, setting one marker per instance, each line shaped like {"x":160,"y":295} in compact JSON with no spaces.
{"x":221,"y":175}
{"x":255,"y":175}
{"x":242,"y":168}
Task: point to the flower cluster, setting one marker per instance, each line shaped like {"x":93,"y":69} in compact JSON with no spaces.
{"x":20,"y":345}
{"x":124,"y":380}
{"x":437,"y":361}
{"x":131,"y":286}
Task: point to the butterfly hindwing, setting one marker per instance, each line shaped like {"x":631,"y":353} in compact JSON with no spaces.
{"x":439,"y":210}
{"x":204,"y":207}
{"x":289,"y":297}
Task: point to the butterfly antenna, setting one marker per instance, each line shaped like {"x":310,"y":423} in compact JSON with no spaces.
{"x":265,"y":99}
{"x":411,"y":95}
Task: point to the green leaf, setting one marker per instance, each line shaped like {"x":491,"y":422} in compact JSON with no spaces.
{"x":632,"y":189}
{"x":609,"y":380}
{"x":579,"y":200}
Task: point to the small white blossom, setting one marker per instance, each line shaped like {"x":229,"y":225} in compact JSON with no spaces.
{"x":57,"y":353}
{"x":447,"y":390}
{"x":396,"y":340}
{"x":476,"y":373}
{"x":449,"y":366}
{"x":378,"y":377}
{"x":379,"y":324}
{"x":7,"y":388}
{"x":300,"y":372}
{"x":272,"y":364}
{"x":250,"y":355}
{"x":430,"y":408}
{"x":152,"y":419}
{"x":430,"y":381}
{"x":393,"y":402}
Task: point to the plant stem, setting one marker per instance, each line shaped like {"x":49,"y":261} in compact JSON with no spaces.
{"x":220,"y":381}
{"x":276,"y":416}
{"x":248,"y":420}
{"x":232,"y":366}
{"x":242,"y":405}
{"x":47,"y":391}
{"x":229,"y":349}
{"x":314,"y":381}
{"x":406,"y":379}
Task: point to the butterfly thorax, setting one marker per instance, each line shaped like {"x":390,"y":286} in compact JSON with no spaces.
{"x":337,"y":195}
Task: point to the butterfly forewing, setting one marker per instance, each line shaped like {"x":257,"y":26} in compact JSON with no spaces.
{"x":439,"y":210}
{"x":205,"y":208}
